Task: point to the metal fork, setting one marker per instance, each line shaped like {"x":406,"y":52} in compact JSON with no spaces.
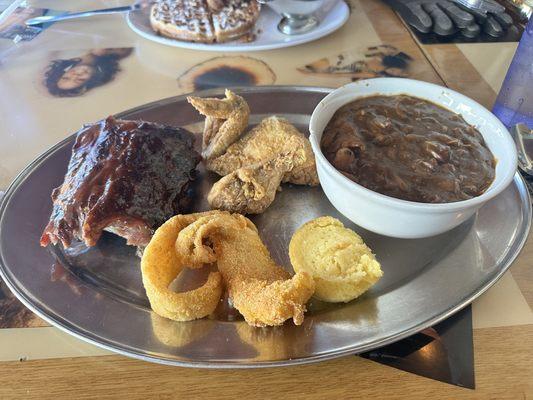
{"x":55,"y":18}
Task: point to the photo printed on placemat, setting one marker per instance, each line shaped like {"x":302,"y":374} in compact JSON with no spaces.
{"x":370,"y":62}
{"x":74,"y":76}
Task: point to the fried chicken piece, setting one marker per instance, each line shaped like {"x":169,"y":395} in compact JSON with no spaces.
{"x":268,"y":139}
{"x":250,"y":190}
{"x":161,"y":264}
{"x":226,"y":119}
{"x":263,"y":292}
{"x":254,"y":166}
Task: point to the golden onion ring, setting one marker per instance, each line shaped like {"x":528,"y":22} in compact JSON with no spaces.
{"x":161,"y":264}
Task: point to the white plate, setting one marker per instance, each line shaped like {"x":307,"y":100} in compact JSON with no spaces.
{"x":269,"y":37}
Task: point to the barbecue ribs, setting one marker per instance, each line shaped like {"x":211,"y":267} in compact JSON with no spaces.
{"x":126,"y":177}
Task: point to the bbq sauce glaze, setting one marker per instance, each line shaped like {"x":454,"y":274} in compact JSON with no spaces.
{"x":408,"y":148}
{"x":130,"y":176}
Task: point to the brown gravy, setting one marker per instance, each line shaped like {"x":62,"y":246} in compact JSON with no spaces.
{"x":408,"y":148}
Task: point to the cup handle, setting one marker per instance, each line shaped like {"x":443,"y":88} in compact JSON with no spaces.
{"x":519,"y":132}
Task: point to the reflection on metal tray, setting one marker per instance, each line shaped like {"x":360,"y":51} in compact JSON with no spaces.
{"x":103,"y":302}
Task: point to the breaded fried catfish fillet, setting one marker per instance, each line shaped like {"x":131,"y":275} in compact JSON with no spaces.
{"x":263,"y":292}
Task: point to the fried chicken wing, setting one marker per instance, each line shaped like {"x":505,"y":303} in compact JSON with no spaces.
{"x":249,"y":190}
{"x":226,"y":119}
{"x":263,"y":292}
{"x":271,"y":137}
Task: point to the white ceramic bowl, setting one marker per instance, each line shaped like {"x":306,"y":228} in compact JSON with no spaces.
{"x":400,"y":218}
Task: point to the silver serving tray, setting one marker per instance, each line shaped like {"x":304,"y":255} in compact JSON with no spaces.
{"x":100,"y":298}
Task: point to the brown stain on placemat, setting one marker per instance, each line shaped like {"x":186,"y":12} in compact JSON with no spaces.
{"x":226,"y":72}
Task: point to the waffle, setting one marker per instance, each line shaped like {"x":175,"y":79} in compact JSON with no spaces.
{"x":236,"y":18}
{"x":204,"y":21}
{"x":188,"y":20}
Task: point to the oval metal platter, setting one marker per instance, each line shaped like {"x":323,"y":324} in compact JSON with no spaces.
{"x":102,"y":300}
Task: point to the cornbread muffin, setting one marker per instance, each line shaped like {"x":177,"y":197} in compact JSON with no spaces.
{"x":341,"y":264}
